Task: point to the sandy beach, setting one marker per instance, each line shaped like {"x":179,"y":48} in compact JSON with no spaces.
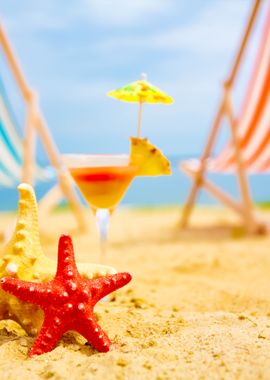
{"x":198,"y":306}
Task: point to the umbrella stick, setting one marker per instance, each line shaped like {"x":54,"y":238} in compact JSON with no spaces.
{"x":139,"y":119}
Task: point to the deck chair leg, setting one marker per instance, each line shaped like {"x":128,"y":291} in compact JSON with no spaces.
{"x":248,"y":217}
{"x":50,"y":199}
{"x":63,"y":175}
{"x":66,"y":187}
{"x":190,"y":203}
{"x":200,"y":174}
{"x":29,"y":145}
{"x":217,"y":193}
{"x":259,"y":227}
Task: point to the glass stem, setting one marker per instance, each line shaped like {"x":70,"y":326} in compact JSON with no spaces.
{"x":102,"y":220}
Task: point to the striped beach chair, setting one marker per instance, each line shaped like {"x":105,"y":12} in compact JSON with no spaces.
{"x":17,"y":153}
{"x":248,"y":151}
{"x":11,"y":147}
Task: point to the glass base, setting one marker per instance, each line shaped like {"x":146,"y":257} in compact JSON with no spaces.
{"x":102,"y":220}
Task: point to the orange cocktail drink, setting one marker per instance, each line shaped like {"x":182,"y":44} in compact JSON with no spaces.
{"x":103,"y":181}
{"x":103,"y":187}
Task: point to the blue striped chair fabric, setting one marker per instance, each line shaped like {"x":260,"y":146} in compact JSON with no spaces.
{"x":11,"y":147}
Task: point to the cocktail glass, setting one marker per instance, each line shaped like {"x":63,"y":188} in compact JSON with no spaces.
{"x":103,"y":180}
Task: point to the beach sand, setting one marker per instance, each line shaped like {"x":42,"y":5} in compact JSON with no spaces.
{"x":198,"y":306}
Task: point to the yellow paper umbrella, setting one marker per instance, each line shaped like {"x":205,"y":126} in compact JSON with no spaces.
{"x":140,"y":92}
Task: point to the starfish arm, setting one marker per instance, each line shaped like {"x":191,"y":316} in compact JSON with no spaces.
{"x":103,"y":286}
{"x":25,"y":290}
{"x":51,"y":331}
{"x":66,"y":260}
{"x":94,"y":334}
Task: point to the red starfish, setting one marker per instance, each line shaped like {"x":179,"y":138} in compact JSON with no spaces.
{"x":67,"y":301}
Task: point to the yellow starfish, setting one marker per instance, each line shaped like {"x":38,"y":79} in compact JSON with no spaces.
{"x":23,"y":258}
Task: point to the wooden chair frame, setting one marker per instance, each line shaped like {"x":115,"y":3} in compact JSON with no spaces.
{"x":36,"y":125}
{"x":225,"y":109}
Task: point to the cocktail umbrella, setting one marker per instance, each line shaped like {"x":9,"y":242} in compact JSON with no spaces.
{"x":140,"y":92}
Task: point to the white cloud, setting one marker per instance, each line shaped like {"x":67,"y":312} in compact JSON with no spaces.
{"x":32,"y":17}
{"x":55,"y":15}
{"x":124,"y":12}
{"x":77,"y":92}
{"x":215,"y":29}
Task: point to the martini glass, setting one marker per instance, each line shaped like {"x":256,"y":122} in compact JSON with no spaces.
{"x":103,"y":180}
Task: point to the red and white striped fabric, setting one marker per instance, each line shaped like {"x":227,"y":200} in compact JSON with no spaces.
{"x":253,"y":124}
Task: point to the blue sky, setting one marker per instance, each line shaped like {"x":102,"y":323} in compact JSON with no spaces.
{"x":73,"y":52}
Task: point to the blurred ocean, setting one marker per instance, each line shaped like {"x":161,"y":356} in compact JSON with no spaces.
{"x":166,"y":190}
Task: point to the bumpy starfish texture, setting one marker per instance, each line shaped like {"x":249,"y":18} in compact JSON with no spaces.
{"x":23,"y":258}
{"x":67,"y":301}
